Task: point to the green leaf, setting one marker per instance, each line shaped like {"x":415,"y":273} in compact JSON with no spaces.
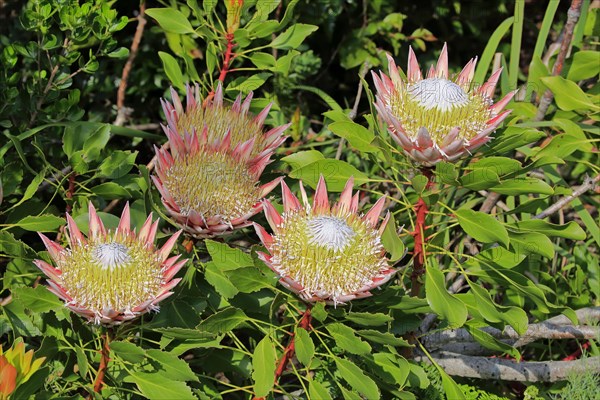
{"x":172,"y":69}
{"x":346,"y":338}
{"x":263,"y":367}
{"x":568,"y":231}
{"x":531,"y":243}
{"x":248,"y":280}
{"x":175,"y":332}
{"x":111,"y":190}
{"x":391,"y":241}
{"x":121,"y":52}
{"x":118,"y":164}
{"x":514,"y":137}
{"x":128,"y":351}
{"x":480,"y":179}
{"x":316,"y":390}
{"x":522,"y":185}
{"x":443,"y":303}
{"x":335,"y":172}
{"x":38,"y":299}
{"x":568,"y":95}
{"x":31,"y":188}
{"x":155,"y":386}
{"x":369,"y":319}
{"x":217,"y":278}
{"x":172,"y":366}
{"x":411,"y":305}
{"x":493,"y":313}
{"x":305,"y":348}
{"x":227,"y":258}
{"x":490,"y":342}
{"x":224,"y":321}
{"x":82,"y":361}
{"x":41,"y":223}
{"x":356,"y":378}
{"x":171,"y":20}
{"x":303,"y":158}
{"x":586,"y":64}
{"x":451,"y":389}
{"x":293,"y":36}
{"x":357,"y":135}
{"x":502,"y":166}
{"x":490,"y":50}
{"x":263,"y":60}
{"x":247,"y":84}
{"x":396,"y":367}
{"x":419,"y":183}
{"x":573,"y":139}
{"x":383,"y":338}
{"x":96,"y":142}
{"x":482,"y":227}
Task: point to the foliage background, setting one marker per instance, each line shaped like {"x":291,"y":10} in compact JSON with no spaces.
{"x":63,"y":144}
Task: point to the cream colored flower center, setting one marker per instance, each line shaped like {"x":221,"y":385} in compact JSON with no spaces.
{"x":438,"y":93}
{"x":440,"y":105}
{"x":212,"y":184}
{"x":111,"y":255}
{"x":330,"y":255}
{"x":331,"y":232}
{"x":116,"y":272}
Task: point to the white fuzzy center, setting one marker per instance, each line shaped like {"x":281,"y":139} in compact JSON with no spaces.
{"x":438,"y":93}
{"x":111,"y":255}
{"x":331,"y":232}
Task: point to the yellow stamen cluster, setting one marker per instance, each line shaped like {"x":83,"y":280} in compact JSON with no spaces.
{"x":212,"y":184}
{"x":115,"y":272}
{"x":331,"y":255}
{"x":219,"y":120}
{"x":440,"y":108}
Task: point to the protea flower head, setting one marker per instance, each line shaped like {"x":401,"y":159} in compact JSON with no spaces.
{"x":209,"y":182}
{"x":438,"y":117}
{"x":111,"y":277}
{"x":322,"y":252}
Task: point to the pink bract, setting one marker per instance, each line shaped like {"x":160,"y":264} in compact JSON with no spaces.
{"x":322,"y":252}
{"x":210,"y":179}
{"x":437,"y":117}
{"x":111,"y":277}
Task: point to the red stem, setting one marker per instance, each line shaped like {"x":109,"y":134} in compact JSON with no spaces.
{"x":226,"y":61}
{"x":104,"y":359}
{"x":290,"y":349}
{"x":421,"y":211}
{"x":228,"y":54}
{"x":577,"y":353}
{"x":70,"y":190}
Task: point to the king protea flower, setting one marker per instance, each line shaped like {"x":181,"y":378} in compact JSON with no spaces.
{"x":209,"y":182}
{"x":111,"y":277}
{"x":325,"y":253}
{"x":438,"y":118}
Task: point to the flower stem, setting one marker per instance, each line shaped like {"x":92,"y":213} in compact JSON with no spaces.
{"x":421,"y":211}
{"x":227,"y":59}
{"x":104,"y":359}
{"x":290,"y":349}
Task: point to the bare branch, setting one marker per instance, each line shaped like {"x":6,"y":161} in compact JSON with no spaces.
{"x":122,"y":111}
{"x":589,"y":184}
{"x":508,"y":370}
